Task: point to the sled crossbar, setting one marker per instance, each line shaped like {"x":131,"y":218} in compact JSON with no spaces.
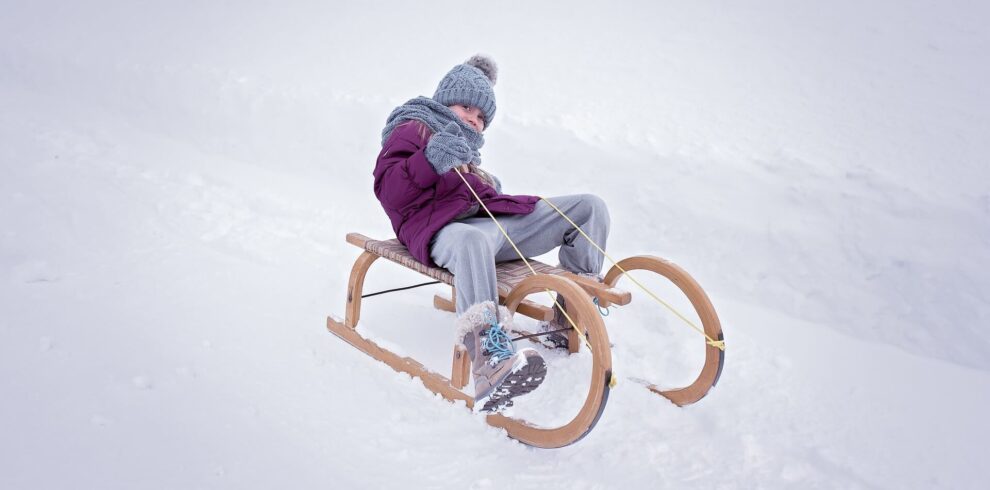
{"x":406,"y":288}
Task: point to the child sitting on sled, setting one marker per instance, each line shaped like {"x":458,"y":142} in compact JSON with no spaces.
{"x":437,"y":217}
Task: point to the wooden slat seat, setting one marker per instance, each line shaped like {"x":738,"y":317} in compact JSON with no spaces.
{"x":397,"y":252}
{"x":509,"y":273}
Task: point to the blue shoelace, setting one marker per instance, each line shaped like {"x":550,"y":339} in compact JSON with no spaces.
{"x":603,"y":311}
{"x":496,"y":342}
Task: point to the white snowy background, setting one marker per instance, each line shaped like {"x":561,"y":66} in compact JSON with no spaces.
{"x":176,"y":180}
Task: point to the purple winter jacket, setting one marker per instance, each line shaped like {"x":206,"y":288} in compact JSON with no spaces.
{"x":420,"y":202}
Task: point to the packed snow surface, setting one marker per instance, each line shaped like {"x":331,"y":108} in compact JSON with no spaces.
{"x":176,"y":180}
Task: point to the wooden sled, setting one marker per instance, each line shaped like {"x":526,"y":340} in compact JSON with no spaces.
{"x":515,"y":283}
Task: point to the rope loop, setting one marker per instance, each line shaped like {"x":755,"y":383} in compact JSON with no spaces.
{"x":602,"y":311}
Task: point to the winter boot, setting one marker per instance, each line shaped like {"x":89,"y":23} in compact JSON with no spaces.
{"x":500,"y":372}
{"x":555,"y":339}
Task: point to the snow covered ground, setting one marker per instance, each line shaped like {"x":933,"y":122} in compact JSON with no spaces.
{"x":176,"y":180}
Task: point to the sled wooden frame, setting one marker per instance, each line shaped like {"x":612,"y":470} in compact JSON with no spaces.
{"x":513,"y":290}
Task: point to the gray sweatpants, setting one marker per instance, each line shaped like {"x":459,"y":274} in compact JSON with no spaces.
{"x":469,"y":248}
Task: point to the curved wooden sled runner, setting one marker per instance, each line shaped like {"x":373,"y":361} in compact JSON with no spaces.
{"x":714,"y":357}
{"x":513,"y":290}
{"x":515,"y":283}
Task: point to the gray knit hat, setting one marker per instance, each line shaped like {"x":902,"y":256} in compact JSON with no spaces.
{"x":470,"y":83}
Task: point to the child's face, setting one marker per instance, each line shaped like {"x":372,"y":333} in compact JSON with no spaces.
{"x":470,"y":115}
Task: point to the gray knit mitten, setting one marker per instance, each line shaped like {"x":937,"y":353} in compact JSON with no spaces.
{"x":448,"y":149}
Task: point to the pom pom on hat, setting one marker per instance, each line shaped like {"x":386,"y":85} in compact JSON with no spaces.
{"x":486,"y":64}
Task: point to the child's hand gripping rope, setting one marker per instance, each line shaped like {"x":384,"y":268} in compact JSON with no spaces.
{"x":449,"y":148}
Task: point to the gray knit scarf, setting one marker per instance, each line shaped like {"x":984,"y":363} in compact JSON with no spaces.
{"x":432,"y":113}
{"x":436,"y":116}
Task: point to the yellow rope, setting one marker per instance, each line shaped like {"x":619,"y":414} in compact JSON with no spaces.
{"x":521,"y":256}
{"x":719,"y":344}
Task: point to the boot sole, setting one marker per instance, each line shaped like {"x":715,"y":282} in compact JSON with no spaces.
{"x":520,"y":381}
